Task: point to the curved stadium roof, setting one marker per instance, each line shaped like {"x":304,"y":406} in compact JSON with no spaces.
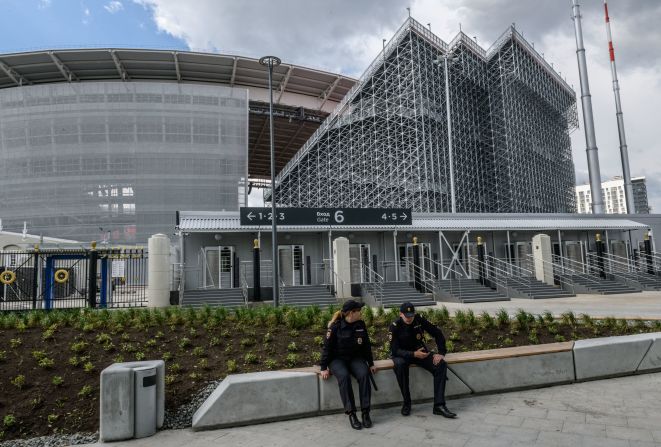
{"x":303,"y":96}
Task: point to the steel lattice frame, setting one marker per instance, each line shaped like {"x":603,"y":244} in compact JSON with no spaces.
{"x":386,"y":145}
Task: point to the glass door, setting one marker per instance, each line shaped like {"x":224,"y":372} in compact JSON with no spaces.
{"x":218,"y":267}
{"x":292,"y":264}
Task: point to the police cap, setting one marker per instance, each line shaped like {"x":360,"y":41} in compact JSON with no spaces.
{"x":407,"y":309}
{"x":350,"y":305}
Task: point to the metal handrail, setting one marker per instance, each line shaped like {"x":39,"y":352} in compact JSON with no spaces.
{"x":564,"y":266}
{"x":453,"y":285}
{"x":531,"y":275}
{"x":594,"y":257}
{"x":244,"y":285}
{"x":487,"y":269}
{"x":375,"y":287}
{"x":511,"y":266}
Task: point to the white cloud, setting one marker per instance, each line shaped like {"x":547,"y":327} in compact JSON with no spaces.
{"x":43,"y":4}
{"x":345,"y":35}
{"x":113,"y":6}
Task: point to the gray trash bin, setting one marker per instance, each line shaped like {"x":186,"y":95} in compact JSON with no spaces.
{"x":132,"y":403}
{"x":145,"y":401}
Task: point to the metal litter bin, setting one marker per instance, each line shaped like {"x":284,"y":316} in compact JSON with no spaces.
{"x":132,"y":403}
{"x":145,"y":401}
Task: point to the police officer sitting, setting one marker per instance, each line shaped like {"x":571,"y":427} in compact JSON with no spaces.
{"x":407,"y":346}
{"x":348,"y":351}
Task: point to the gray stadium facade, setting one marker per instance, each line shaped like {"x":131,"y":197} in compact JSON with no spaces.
{"x":388,"y":142}
{"x":109,"y":144}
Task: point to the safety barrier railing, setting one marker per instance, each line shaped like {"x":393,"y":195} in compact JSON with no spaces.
{"x":375,"y":287}
{"x":452,"y":285}
{"x":413,"y":272}
{"x":526,"y":275}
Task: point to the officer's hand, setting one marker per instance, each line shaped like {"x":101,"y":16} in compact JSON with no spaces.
{"x":420,"y":354}
{"x":325,"y":374}
{"x":437,"y":359}
{"x":373,"y":369}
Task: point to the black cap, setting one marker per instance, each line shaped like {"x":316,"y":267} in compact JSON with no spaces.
{"x":350,"y":305}
{"x":407,"y":309}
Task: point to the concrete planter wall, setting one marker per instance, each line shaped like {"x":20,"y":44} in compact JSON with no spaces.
{"x":252,"y":398}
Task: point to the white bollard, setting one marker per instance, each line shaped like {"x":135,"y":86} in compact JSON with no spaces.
{"x":158,"y":286}
{"x":341,"y":262}
{"x":542,"y":253}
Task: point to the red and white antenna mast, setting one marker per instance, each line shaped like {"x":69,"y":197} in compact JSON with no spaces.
{"x":624,"y":151}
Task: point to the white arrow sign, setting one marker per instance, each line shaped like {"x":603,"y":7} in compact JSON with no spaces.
{"x":250,"y":216}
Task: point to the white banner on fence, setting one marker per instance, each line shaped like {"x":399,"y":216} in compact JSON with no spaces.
{"x":118,"y":269}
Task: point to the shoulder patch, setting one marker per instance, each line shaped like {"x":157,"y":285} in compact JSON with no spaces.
{"x":328,"y":333}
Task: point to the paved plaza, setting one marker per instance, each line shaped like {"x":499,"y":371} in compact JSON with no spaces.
{"x":616,"y":412}
{"x":645,"y":304}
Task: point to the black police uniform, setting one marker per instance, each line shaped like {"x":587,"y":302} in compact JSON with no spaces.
{"x":405,"y":339}
{"x":347,"y":350}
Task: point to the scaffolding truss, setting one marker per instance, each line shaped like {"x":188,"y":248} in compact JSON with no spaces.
{"x":386,"y":144}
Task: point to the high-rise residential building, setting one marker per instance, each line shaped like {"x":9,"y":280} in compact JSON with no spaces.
{"x":613,"y":194}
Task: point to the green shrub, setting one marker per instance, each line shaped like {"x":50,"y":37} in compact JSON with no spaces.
{"x":316,"y":357}
{"x":214,"y":341}
{"x":85,"y":391}
{"x":174,"y":368}
{"x":268,"y":337}
{"x":184,"y":342}
{"x":166,"y":356}
{"x":46,"y":363}
{"x":291,"y":360}
{"x":52,"y":418}
{"x":38,"y":355}
{"x":198,"y":351}
{"x":3,"y":356}
{"x":203,"y":363}
{"x":270,"y":364}
{"x":194,"y":376}
{"x":57,"y":380}
{"x":291,"y":347}
{"x":247,"y":342}
{"x":250,"y":358}
{"x":502,"y":317}
{"x":170,"y":379}
{"x":559,"y":338}
{"x":139,"y":356}
{"x":319,"y":340}
{"x":74,"y":361}
{"x":449,"y":345}
{"x":103,"y":338}
{"x":88,"y":367}
{"x":15,"y":343}
{"x":294,"y":333}
{"x":231,"y":366}
{"x":79,"y":346}
{"x":119,"y":358}
{"x":18,"y":381}
{"x":9,"y":420}
{"x":568,"y":318}
{"x":49,"y":334}
{"x":486,"y":320}
{"x":455,"y":336}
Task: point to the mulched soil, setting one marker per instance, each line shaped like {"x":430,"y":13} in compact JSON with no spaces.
{"x":197,"y":353}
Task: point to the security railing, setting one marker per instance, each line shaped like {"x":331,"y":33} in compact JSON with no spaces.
{"x":452,"y":285}
{"x":375,"y":287}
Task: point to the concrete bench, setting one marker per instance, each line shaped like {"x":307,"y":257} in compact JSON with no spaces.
{"x":616,"y":356}
{"x":245,"y":399}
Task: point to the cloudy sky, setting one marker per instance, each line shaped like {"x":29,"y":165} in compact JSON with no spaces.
{"x":345,"y":35}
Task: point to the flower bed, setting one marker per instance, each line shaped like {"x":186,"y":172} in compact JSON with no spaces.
{"x":50,"y":361}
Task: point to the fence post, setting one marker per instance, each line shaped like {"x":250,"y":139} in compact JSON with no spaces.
{"x":35,"y":276}
{"x":91,"y":288}
{"x":256,"y":280}
{"x":417,"y":280}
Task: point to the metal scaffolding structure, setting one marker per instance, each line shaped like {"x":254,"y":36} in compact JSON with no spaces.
{"x":386,"y":144}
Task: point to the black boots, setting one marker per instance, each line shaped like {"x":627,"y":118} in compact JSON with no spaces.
{"x":367,"y":421}
{"x":443,"y":411}
{"x":353,"y":420}
{"x":406,"y":409}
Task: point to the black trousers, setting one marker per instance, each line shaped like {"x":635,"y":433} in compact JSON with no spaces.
{"x":401,"y":369}
{"x":343,"y":370}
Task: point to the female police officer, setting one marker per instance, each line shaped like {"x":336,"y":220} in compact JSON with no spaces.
{"x":347,"y":350}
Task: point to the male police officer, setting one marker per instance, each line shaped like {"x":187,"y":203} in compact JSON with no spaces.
{"x":407,"y":346}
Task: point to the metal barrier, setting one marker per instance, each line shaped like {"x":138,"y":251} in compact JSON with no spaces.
{"x":73,"y":278}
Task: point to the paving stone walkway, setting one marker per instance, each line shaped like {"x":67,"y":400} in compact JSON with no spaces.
{"x":646,"y":304}
{"x":616,"y":412}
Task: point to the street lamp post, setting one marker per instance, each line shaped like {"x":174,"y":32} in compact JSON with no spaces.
{"x":270,"y":62}
{"x":453,"y":202}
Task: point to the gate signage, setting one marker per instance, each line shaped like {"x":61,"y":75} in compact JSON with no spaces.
{"x":327,"y":216}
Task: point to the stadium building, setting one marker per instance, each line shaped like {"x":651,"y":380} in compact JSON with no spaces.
{"x":107,"y":144}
